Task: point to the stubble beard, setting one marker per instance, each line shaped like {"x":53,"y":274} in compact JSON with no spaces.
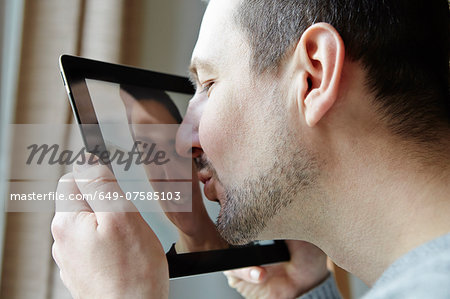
{"x":248,"y":207}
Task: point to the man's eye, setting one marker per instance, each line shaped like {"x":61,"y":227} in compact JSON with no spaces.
{"x":207,"y":87}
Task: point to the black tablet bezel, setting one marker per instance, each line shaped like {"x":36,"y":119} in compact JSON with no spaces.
{"x":74,"y":71}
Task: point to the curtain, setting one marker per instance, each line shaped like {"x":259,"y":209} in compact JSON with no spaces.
{"x":100,"y":29}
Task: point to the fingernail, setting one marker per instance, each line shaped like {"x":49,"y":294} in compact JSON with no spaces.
{"x":255,"y":274}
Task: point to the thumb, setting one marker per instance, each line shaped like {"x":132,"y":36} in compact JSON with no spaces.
{"x":98,"y":183}
{"x":249,"y":274}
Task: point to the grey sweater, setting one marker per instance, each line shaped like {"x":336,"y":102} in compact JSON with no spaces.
{"x":423,"y":272}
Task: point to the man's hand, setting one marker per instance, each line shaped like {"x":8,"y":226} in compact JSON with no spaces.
{"x":306,"y":269}
{"x":101,"y":254}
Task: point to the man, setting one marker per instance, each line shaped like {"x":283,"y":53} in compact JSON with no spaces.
{"x":320,"y":121}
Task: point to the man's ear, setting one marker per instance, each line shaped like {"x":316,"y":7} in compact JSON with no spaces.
{"x":320,"y":57}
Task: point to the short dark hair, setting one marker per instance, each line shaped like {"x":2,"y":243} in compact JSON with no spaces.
{"x":403,"y":45}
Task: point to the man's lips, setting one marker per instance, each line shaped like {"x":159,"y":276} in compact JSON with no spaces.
{"x":210,"y":190}
{"x":209,"y":186}
{"x":204,"y":177}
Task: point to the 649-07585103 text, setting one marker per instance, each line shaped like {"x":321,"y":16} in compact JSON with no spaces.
{"x":98,"y":195}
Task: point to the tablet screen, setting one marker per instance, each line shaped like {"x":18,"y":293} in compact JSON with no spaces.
{"x":148,"y":119}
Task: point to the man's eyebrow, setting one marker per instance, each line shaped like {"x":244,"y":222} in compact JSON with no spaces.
{"x":198,"y":64}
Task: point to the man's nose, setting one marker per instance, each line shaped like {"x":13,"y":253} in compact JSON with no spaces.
{"x":187,"y":140}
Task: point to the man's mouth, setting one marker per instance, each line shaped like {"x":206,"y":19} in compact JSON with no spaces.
{"x":209,"y":186}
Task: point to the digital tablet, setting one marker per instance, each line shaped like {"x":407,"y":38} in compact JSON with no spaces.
{"x":125,"y":112}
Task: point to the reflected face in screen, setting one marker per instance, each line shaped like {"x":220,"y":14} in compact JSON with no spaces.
{"x":154,"y":108}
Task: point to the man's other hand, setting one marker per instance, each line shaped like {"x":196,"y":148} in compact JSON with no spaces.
{"x":100,"y":254}
{"x":306,"y":270}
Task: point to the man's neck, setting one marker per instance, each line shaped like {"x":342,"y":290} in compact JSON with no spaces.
{"x":384,"y":205}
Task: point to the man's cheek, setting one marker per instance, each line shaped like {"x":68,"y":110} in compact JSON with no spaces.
{"x":213,"y":139}
{"x":223,"y":131}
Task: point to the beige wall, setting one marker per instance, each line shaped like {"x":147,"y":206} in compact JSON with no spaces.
{"x":170,"y":32}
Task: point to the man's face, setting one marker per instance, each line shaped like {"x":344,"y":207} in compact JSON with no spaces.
{"x":244,"y":139}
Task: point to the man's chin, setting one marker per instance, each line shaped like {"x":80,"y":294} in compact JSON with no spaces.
{"x":232,"y":232}
{"x":234,"y":239}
